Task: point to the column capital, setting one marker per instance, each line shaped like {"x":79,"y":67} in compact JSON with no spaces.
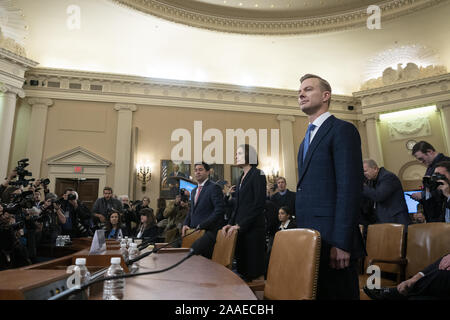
{"x":40,"y":101}
{"x":6,"y":88}
{"x":443,"y":105}
{"x":125,"y":107}
{"x":373,"y":116}
{"x":282,"y":117}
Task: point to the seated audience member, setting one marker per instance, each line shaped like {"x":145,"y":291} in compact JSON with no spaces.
{"x":103,"y":206}
{"x":431,"y":201}
{"x":432,"y":282}
{"x":387,"y":194}
{"x":176,"y":212}
{"x":114,"y":229}
{"x":144,"y":204}
{"x":128,"y":214}
{"x":283,"y":197}
{"x":147,"y":229}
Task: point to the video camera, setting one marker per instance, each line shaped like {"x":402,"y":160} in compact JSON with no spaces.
{"x":21,"y":174}
{"x":432,"y":182}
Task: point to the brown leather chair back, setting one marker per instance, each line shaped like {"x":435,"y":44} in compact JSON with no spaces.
{"x":191,"y":237}
{"x":385,"y":241}
{"x":427,"y":242}
{"x":224,"y":249}
{"x":294,"y":265}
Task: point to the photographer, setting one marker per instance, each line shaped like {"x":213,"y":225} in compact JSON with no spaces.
{"x":440,"y":181}
{"x":12,"y":253}
{"x":175,"y":213}
{"x":128,"y":214}
{"x":51,"y":217}
{"x":78,"y":216}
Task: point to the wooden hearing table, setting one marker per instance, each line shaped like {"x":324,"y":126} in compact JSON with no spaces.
{"x":197,"y":278}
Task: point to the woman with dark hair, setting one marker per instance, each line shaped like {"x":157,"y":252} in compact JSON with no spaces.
{"x":248,"y":215}
{"x":147,"y":228}
{"x":114,"y":228}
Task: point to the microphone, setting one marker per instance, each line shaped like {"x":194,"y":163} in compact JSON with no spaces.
{"x":154,"y":250}
{"x":74,"y":290}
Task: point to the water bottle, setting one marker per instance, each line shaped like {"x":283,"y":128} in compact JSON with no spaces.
{"x":58,"y":241}
{"x":124,"y":250}
{"x":114,"y":289}
{"x":133,"y":252}
{"x":124,"y":241}
{"x":85,"y":276}
{"x":129,"y":241}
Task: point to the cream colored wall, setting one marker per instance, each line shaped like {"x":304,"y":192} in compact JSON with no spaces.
{"x":91,"y":125}
{"x":395,"y":153}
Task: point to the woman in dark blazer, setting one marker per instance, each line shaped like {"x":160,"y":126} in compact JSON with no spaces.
{"x":147,"y":229}
{"x":248,"y":215}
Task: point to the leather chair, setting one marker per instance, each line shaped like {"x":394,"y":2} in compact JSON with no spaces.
{"x":294,"y":266}
{"x":191,"y":237}
{"x":224,"y":249}
{"x":427,"y":242}
{"x":385,"y":246}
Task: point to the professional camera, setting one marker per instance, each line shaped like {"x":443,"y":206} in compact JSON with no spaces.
{"x":71,"y":196}
{"x":432,"y":182}
{"x":45,"y":181}
{"x":22,"y":173}
{"x":24,"y":200}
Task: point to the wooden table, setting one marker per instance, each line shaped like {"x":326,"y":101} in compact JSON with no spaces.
{"x":197,"y":278}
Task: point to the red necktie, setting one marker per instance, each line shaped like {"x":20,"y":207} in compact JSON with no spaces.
{"x":197,"y":193}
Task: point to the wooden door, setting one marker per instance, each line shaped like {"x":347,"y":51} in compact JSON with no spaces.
{"x":87,"y":189}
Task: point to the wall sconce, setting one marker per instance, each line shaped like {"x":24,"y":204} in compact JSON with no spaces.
{"x":144,"y":174}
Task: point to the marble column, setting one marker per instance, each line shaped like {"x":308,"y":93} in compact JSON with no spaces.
{"x":444,"y":108}
{"x":8,"y":99}
{"x":288,"y":155}
{"x":123,"y":148}
{"x":36,"y":135}
{"x":373,"y":140}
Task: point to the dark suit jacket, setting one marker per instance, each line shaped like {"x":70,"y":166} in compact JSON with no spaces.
{"x":288,"y":200}
{"x":209,"y":210}
{"x":330,"y":186}
{"x":249,"y":202}
{"x":387,"y":193}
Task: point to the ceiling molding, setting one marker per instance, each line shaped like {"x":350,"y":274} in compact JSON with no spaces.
{"x":202,"y":16}
{"x":78,"y":85}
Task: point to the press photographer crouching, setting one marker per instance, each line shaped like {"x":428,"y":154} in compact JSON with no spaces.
{"x":78,"y":216}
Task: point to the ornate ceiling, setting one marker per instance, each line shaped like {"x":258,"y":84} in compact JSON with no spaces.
{"x":274,"y":16}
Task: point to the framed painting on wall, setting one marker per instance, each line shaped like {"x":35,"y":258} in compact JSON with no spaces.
{"x":171,"y":173}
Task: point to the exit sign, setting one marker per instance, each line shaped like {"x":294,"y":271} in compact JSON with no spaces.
{"x":78,"y":169}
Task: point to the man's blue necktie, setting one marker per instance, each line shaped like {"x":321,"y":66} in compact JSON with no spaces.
{"x":307,"y":138}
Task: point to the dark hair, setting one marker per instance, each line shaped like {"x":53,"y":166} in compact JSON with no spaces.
{"x":68,"y":189}
{"x":423,"y":147}
{"x":444,"y":164}
{"x":151,"y":219}
{"x":109,"y":225}
{"x":251,"y":157}
{"x":287,"y":210}
{"x":204,"y":164}
{"x":108,"y":188}
{"x":324,"y":84}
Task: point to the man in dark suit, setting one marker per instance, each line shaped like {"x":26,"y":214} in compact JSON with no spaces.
{"x":284,"y":197}
{"x":387,"y":194}
{"x":329,"y":190}
{"x":206,"y":210}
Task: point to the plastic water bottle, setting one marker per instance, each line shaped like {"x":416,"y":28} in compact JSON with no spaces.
{"x":124,"y":250}
{"x":114,"y":289}
{"x":133,"y":252}
{"x":129,"y":241}
{"x":59,"y":241}
{"x":85,"y":276}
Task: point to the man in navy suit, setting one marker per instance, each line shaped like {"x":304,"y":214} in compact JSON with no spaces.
{"x":329,"y":188}
{"x":206,"y":210}
{"x":387,"y":194}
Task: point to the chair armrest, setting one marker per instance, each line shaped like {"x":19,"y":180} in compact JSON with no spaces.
{"x":401,"y":262}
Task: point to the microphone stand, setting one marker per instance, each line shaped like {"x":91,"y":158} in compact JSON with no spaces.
{"x":129,"y":262}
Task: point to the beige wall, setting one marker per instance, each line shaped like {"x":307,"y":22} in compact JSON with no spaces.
{"x":20,"y":133}
{"x":395,"y":153}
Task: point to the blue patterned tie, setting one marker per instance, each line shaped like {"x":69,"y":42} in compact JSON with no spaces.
{"x":307,"y":138}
